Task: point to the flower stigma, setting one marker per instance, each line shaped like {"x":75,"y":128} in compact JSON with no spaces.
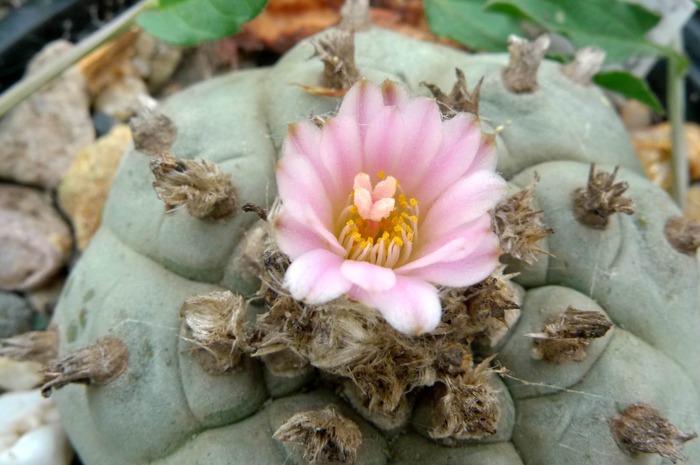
{"x":379,"y":224}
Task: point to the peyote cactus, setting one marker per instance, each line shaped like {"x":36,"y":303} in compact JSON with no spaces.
{"x":605,"y":342}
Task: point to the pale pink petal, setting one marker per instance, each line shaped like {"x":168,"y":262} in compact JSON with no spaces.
{"x":412,"y":306}
{"x":367,"y":276}
{"x":455,"y":245}
{"x":384,"y":144}
{"x":460,"y":143}
{"x":362,"y":199}
{"x":394,"y":94}
{"x":381,"y":209}
{"x":293,"y":237}
{"x":469,"y":270}
{"x":362,"y":103}
{"x":486,"y":157}
{"x":384,"y":189}
{"x":423,"y":136}
{"x":298,"y":232}
{"x":466,"y":200}
{"x":304,"y":140}
{"x":311,"y":192}
{"x":315,"y":277}
{"x":341,"y":151}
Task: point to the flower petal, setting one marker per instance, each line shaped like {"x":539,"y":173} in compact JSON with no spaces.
{"x":463,"y":202}
{"x":384,"y":142}
{"x":486,"y":157}
{"x":341,"y":151}
{"x":469,"y":270}
{"x":394,"y":94}
{"x":367,"y":276}
{"x":412,"y":306}
{"x":304,"y":140}
{"x":362,"y":103}
{"x":460,"y":144}
{"x":315,"y":277}
{"x":456,"y":245}
{"x":300,"y":231}
{"x":423,"y":136}
{"x":310,"y":193}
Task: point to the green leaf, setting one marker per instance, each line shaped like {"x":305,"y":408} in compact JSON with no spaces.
{"x":618,"y":27}
{"x":189,"y":22}
{"x":468,"y":23}
{"x":630,"y":86}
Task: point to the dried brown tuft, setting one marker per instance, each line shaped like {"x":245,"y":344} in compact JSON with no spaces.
{"x":466,"y":405}
{"x":640,"y":429}
{"x":337,"y":52}
{"x":346,"y":339}
{"x":519,"y":226}
{"x":327,"y":436}
{"x":99,"y":363}
{"x":152,"y":131}
{"x":520,"y":76}
{"x":460,"y":99}
{"x":683,"y":234}
{"x":286,"y":363}
{"x":217,"y":322}
{"x":566,"y":336}
{"x":601,"y":198}
{"x":469,"y":312}
{"x":34,"y":346}
{"x":585,"y":65}
{"x":197,"y":184}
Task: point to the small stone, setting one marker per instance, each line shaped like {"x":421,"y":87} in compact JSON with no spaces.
{"x":15,"y":315}
{"x":31,"y":431}
{"x":120,"y":99}
{"x":683,"y":234}
{"x":40,"y":137}
{"x":35,"y":242}
{"x":83,"y":191}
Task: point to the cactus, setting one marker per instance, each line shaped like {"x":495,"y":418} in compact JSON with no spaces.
{"x":608,"y":314}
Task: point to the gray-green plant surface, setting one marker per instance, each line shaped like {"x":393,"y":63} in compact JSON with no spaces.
{"x":143,"y":263}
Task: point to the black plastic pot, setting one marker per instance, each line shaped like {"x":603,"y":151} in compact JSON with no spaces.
{"x":25,"y":30}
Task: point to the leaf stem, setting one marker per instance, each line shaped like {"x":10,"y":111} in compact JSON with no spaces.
{"x":675,"y":86}
{"x":32,"y":82}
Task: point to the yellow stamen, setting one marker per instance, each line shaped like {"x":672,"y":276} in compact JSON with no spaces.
{"x":386,"y":239}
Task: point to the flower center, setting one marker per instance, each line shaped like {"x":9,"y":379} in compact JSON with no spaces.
{"x":380,"y":224}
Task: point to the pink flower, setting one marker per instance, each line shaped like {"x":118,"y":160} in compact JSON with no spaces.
{"x":385,"y":201}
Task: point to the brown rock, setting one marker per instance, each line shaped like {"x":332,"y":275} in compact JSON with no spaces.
{"x":40,"y":137}
{"x":35,"y":242}
{"x":653,"y":146}
{"x":84,"y":189}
